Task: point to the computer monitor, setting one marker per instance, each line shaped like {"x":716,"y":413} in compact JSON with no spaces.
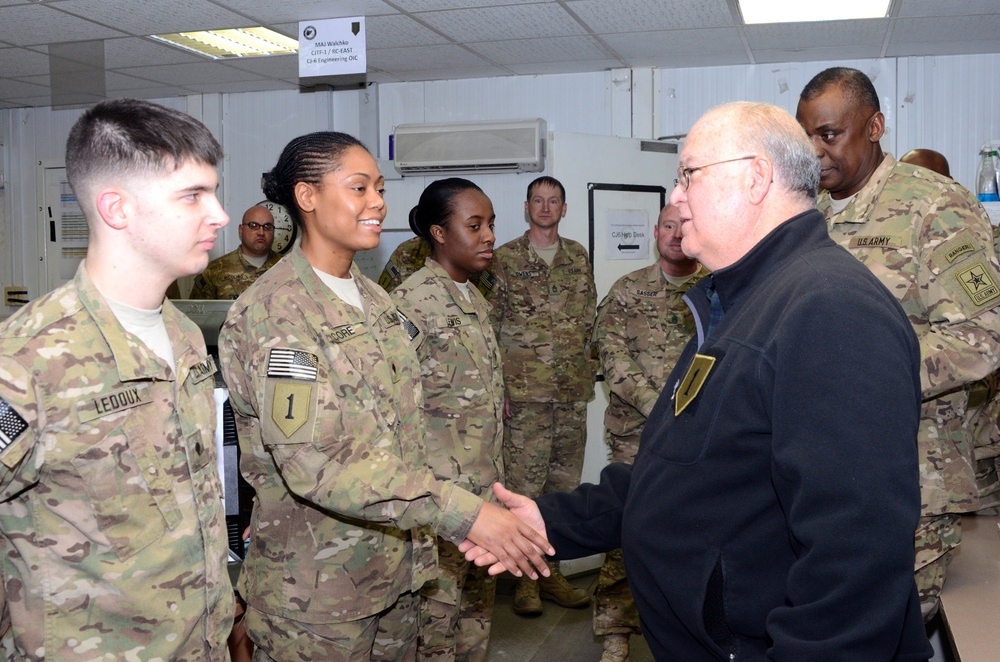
{"x":208,"y":314}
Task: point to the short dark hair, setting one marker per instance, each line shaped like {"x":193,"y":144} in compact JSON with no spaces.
{"x":551,"y":181}
{"x":855,"y":83}
{"x":123,"y":138}
{"x":305,"y":159}
{"x":437,"y":203}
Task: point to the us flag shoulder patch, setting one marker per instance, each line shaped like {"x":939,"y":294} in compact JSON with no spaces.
{"x":292,"y":364}
{"x":411,"y":329}
{"x":12,"y":425}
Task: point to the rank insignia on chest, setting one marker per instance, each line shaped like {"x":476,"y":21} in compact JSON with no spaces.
{"x":692,"y":382}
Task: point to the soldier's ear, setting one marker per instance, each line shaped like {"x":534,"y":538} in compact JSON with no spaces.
{"x":113,"y":206}
{"x":876,"y":127}
{"x":437,"y":234}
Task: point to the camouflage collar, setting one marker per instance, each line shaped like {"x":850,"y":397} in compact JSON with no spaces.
{"x":861,"y":206}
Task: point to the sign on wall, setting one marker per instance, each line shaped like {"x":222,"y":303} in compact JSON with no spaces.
{"x":332,"y":47}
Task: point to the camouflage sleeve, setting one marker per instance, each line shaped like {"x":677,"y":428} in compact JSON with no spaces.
{"x":203,"y":288}
{"x":342,"y":455}
{"x":622,"y":373}
{"x":390,"y":277}
{"x":961,"y":287}
{"x":590,"y":317}
{"x":19,"y":422}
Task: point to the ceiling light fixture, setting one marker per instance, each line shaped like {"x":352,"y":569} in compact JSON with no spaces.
{"x":237,"y":42}
{"x":796,"y":11}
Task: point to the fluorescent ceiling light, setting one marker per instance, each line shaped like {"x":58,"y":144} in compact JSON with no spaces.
{"x":798,"y":11}
{"x":238,"y":42}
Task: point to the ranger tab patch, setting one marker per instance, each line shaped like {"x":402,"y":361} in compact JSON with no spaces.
{"x":292,"y":364}
{"x":12,"y":425}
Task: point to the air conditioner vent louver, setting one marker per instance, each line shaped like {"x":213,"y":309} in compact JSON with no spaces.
{"x":502,"y":146}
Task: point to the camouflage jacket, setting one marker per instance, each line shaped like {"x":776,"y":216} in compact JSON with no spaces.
{"x":406,"y":260}
{"x":229,"y":276}
{"x":461,"y":375}
{"x":642,"y":326}
{"x":327,"y":402}
{"x":543,"y":318}
{"x":110,"y":504}
{"x":929,"y":241}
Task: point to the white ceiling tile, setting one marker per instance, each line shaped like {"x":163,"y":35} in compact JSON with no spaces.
{"x":184,"y":74}
{"x":817,"y":35}
{"x":47,"y":26}
{"x":18,"y":62}
{"x":639,"y":45}
{"x":152,"y":17}
{"x":632,"y":15}
{"x":286,"y":11}
{"x":398,"y":30}
{"x":946,"y":28}
{"x":818,"y":53}
{"x":918,"y":8}
{"x":139,"y":52}
{"x":550,"y":49}
{"x":506,"y":22}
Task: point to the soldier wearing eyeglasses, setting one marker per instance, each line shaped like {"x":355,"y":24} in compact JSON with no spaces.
{"x":228,"y":276}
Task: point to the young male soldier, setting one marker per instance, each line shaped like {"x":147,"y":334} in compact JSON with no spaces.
{"x":929,"y":241}
{"x":110,"y":512}
{"x":228,"y":276}
{"x":642,"y":326}
{"x":544,"y":299}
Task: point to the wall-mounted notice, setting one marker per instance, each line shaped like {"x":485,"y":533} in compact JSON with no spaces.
{"x":628,"y":234}
{"x":332,"y":47}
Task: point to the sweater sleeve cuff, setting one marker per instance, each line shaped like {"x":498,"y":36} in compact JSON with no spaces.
{"x":461,"y":508}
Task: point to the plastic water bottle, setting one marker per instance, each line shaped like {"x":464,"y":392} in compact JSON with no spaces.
{"x":987,"y":175}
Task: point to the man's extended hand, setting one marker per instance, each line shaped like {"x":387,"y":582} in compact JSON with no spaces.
{"x":528,"y":515}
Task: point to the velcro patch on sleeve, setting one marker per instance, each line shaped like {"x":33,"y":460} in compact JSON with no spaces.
{"x":283,"y":363}
{"x":12,"y":425}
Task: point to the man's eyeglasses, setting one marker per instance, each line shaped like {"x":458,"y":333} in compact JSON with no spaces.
{"x":268,"y":227}
{"x":684,"y":174}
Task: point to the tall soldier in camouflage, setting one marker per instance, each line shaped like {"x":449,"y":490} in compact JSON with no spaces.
{"x":542,"y":290}
{"x":326,"y":391}
{"x":463,"y":399}
{"x":229,"y":276}
{"x":642,"y":326}
{"x":929,"y":241}
{"x":110,"y":511}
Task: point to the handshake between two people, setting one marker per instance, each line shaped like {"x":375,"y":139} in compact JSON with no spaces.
{"x":511,"y":539}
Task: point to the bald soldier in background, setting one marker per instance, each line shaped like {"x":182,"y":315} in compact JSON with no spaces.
{"x":228,"y":276}
{"x":927,"y":158}
{"x":642,"y":327}
{"x":929,"y":241}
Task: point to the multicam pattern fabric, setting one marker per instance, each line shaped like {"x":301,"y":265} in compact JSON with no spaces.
{"x":642,"y":327}
{"x":229,"y":276}
{"x":929,"y":241}
{"x":407,"y":260}
{"x":346,"y":509}
{"x":110,"y":511}
{"x":463,"y":412}
{"x":543,"y":317}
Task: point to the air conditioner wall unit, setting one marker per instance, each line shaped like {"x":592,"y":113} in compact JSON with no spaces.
{"x":470,"y":147}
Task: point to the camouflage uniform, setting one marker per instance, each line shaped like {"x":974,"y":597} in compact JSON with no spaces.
{"x":406,"y":260}
{"x":327,"y":402}
{"x":543,"y":318}
{"x":929,"y":241}
{"x":642,"y":326}
{"x":463,"y":413}
{"x":229,"y":276}
{"x":110,"y":500}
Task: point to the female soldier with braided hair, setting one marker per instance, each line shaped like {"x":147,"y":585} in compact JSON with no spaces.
{"x":463,"y":398}
{"x":326,"y":391}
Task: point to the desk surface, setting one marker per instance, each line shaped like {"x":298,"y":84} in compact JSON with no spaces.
{"x":970,"y":601}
